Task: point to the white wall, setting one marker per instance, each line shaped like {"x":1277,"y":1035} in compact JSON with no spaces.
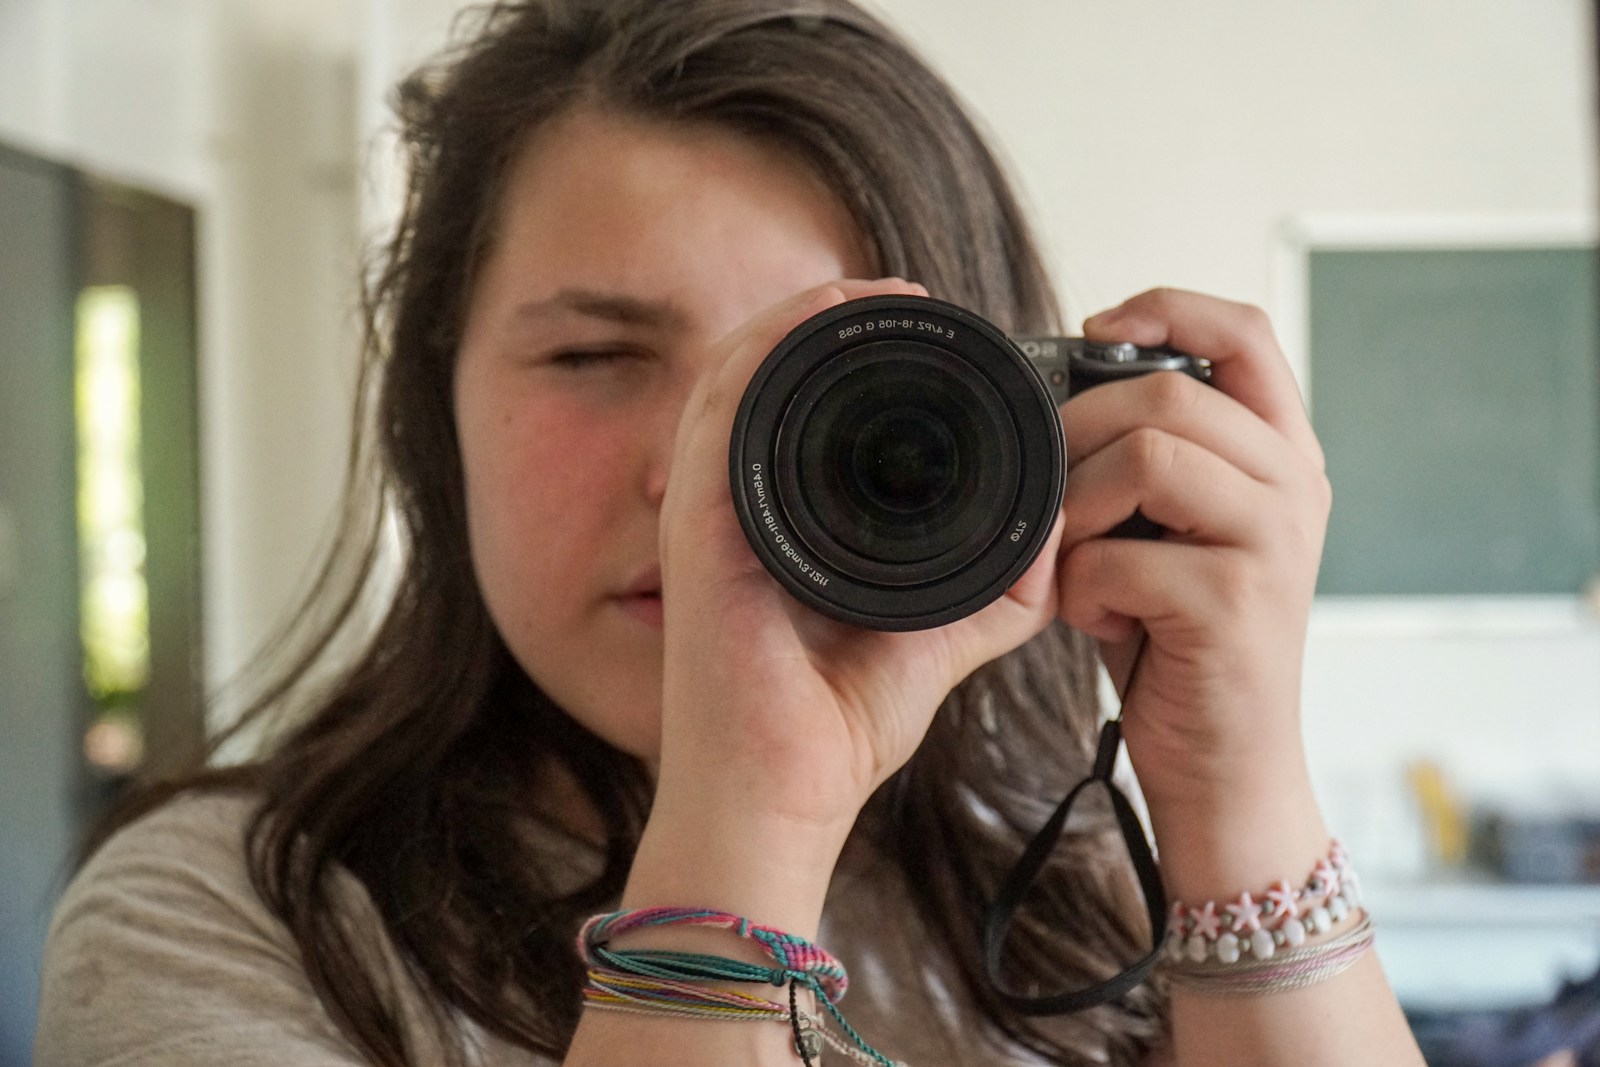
{"x":1164,"y":143}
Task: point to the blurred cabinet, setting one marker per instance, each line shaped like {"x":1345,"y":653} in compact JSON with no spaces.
{"x":42,"y":701}
{"x":99,"y":556}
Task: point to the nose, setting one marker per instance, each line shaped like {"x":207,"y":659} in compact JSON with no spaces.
{"x":661,"y":438}
{"x":656,"y":470}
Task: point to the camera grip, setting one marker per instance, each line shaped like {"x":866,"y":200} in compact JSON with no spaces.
{"x":1071,"y":365}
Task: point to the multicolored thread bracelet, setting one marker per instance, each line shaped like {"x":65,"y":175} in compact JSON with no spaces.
{"x":661,"y":982}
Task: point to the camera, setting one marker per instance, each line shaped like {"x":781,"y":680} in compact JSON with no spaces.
{"x":897,"y":462}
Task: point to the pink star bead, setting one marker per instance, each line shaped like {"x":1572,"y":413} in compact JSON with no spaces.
{"x":1326,"y":877}
{"x":1283,"y":902}
{"x":1246,"y":915}
{"x":1205,"y":921}
{"x":1180,"y":919}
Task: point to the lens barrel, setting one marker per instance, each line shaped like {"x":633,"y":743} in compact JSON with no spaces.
{"x":897,"y":463}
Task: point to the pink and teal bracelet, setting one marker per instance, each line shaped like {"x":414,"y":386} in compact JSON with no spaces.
{"x":683,"y":983}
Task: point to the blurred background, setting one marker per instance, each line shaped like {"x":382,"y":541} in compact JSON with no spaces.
{"x":1407,"y":186}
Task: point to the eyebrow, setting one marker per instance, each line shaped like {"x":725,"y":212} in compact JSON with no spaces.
{"x":612,"y":307}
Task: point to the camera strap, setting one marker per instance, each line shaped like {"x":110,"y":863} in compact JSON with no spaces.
{"x":1003,"y":910}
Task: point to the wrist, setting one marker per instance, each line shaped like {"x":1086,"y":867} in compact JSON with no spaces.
{"x":1215,"y":847}
{"x":770,"y":869}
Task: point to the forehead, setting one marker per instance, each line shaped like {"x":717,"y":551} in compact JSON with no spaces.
{"x":624,"y":196}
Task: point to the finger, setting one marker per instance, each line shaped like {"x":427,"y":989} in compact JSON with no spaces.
{"x":1019,"y":615}
{"x":1246,"y":360}
{"x":1189,"y":490}
{"x":749,"y":345}
{"x":1109,"y":586}
{"x":1184,"y":407}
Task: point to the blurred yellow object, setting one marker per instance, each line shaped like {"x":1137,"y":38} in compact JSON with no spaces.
{"x":1442,"y":812}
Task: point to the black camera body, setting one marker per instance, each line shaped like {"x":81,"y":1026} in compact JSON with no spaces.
{"x":897,"y":462}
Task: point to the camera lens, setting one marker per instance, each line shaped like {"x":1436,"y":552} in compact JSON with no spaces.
{"x":895,"y":458}
{"x":903,"y":461}
{"x":896,"y":463}
{"x":901,"y":465}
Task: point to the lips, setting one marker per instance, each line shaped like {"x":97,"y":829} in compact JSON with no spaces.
{"x":641,"y":597}
{"x":647,"y":583}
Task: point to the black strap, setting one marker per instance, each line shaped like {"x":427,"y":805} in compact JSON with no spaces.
{"x":998,"y":918}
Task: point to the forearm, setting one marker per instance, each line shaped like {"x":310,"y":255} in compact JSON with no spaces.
{"x":1248,"y":843}
{"x":773,"y":872}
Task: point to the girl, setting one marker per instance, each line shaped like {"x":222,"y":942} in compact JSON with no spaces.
{"x":586,"y":697}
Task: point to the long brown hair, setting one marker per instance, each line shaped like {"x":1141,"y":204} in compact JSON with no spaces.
{"x":419,"y":741}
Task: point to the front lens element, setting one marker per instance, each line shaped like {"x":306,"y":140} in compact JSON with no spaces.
{"x":904,"y":461}
{"x":905,"y":458}
{"x":896,"y":463}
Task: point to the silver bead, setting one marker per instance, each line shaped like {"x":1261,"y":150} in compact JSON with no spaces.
{"x":809,"y":1043}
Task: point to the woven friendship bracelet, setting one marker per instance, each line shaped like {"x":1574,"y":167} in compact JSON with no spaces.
{"x":1259,"y":927}
{"x":791,"y":953}
{"x":657,"y":982}
{"x":612,"y":988}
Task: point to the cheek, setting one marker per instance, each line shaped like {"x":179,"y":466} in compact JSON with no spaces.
{"x":541,"y":489}
{"x":555,"y":522}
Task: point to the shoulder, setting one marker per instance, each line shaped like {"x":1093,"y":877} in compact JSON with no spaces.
{"x":162,"y":952}
{"x":182,"y":860}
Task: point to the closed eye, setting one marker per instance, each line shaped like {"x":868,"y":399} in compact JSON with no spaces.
{"x":583,"y":358}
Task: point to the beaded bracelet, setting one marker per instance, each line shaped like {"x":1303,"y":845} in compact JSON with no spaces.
{"x":1260,"y":926}
{"x":1293,"y":969}
{"x":673,"y":983}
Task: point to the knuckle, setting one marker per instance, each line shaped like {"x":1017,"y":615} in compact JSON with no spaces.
{"x":714,"y":396}
{"x":1171,"y":396}
{"x":1161,"y":296}
{"x":1322,"y":495}
{"x":1256,"y":325}
{"x":1085,"y":566}
{"x":1237,"y":583}
{"x":1151,"y":453}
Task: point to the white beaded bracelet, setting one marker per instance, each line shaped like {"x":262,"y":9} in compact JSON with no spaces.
{"x":1257,"y":927}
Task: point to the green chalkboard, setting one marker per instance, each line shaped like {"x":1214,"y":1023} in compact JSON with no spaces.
{"x":1457,"y":394}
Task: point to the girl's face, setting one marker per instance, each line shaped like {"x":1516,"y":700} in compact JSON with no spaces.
{"x":623,"y":249}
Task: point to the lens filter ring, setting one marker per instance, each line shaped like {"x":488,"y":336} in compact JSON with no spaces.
{"x":896,"y":463}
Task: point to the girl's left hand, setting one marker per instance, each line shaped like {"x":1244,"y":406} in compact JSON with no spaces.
{"x":1235,"y":475}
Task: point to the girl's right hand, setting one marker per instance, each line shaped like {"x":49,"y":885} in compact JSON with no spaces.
{"x":778,"y":723}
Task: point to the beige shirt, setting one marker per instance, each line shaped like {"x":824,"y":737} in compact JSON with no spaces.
{"x":162,"y":953}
